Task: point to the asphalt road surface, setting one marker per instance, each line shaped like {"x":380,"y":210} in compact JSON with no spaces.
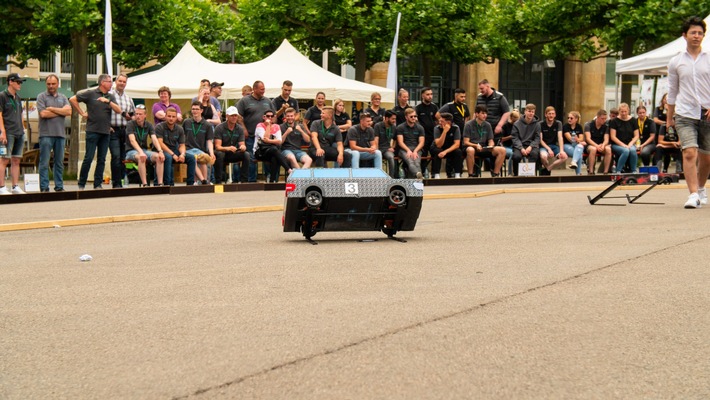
{"x":531,"y":294}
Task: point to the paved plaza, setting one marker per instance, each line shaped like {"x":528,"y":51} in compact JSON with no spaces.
{"x":502,"y":291}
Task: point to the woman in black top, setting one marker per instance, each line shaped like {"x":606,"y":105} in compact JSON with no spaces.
{"x":659,"y":115}
{"x":573,"y":137}
{"x":341,"y":118}
{"x":313,"y":113}
{"x":624,"y":133}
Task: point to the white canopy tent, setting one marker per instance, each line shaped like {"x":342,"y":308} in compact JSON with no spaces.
{"x":655,"y":62}
{"x":184,"y":72}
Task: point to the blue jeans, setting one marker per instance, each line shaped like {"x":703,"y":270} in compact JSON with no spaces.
{"x":118,"y":154}
{"x":169,"y":178}
{"x":625,"y":154}
{"x":48,"y":144}
{"x":576,"y":152}
{"x":94,"y":141}
{"x":356,"y":156}
{"x":249,"y":142}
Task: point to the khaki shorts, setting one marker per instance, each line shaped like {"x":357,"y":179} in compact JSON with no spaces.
{"x":693,"y":133}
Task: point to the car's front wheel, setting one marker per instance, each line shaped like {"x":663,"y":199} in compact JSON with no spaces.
{"x":314,"y":198}
{"x":397,"y":197}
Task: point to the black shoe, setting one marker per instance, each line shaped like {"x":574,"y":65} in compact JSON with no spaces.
{"x":44,"y":190}
{"x":58,"y":189}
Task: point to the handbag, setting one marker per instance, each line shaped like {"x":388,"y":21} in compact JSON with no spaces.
{"x":262,"y":149}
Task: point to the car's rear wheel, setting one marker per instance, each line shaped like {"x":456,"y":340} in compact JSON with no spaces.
{"x":397,"y":197}
{"x":314,"y":198}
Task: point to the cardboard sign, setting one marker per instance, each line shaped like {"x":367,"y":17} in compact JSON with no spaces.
{"x":526,"y":169}
{"x":31,"y":183}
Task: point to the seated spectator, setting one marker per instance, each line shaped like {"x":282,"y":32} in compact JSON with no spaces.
{"x":596,"y":134}
{"x":446,"y":144}
{"x":363,"y":143}
{"x":246,"y":90}
{"x":209,"y":112}
{"x":161,"y":107}
{"x":410,"y":140}
{"x":341,"y":118}
{"x":327,"y":141}
{"x":526,"y":138}
{"x":199,"y":141}
{"x":295,"y":136}
{"x":138,"y":131}
{"x":171,"y":138}
{"x":668,"y":145}
{"x":230,"y":147}
{"x":267,"y":145}
{"x":314,"y":112}
{"x":505,"y":137}
{"x":659,"y":114}
{"x":647,"y":132}
{"x":478,"y":141}
{"x":623,"y":133}
{"x":384,"y":131}
{"x":375,"y":111}
{"x":204,"y":84}
{"x":551,"y":142}
{"x":574,"y":144}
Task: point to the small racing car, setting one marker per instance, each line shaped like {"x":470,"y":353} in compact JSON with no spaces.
{"x":343,"y":199}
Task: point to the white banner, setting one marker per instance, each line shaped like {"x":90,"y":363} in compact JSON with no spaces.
{"x":108,"y":39}
{"x":392,"y":70}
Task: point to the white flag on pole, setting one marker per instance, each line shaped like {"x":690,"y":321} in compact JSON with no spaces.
{"x":108,"y":39}
{"x":392,"y":70}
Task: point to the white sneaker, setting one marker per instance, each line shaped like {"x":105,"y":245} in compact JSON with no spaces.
{"x":3,"y":190}
{"x":437,"y":176}
{"x":458,"y":176}
{"x":693,"y":201}
{"x":17,"y":190}
{"x":703,"y":194}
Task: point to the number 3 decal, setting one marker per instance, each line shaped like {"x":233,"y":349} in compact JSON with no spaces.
{"x":351,"y":188}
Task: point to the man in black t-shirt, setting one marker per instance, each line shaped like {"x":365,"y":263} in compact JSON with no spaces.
{"x":596,"y":134}
{"x":410,"y":140}
{"x":294,"y":136}
{"x":138,"y":131}
{"x":458,"y":109}
{"x":284,"y":102}
{"x":230,"y":147}
{"x":99,"y":103}
{"x":426,"y":114}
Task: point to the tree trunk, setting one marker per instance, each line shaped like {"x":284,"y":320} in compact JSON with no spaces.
{"x":426,"y":70}
{"x":360,"y":59}
{"x":80,"y":44}
{"x":627,"y":81}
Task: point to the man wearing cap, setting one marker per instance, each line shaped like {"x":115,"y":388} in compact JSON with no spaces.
{"x":215,"y":92}
{"x":117,"y":145}
{"x":12,"y":133}
{"x":230,"y":147}
{"x":53,"y":107}
{"x":284,"y":102}
{"x":99,"y":103}
{"x":252,"y":109}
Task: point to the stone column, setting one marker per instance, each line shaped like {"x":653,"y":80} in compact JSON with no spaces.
{"x":584,"y":87}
